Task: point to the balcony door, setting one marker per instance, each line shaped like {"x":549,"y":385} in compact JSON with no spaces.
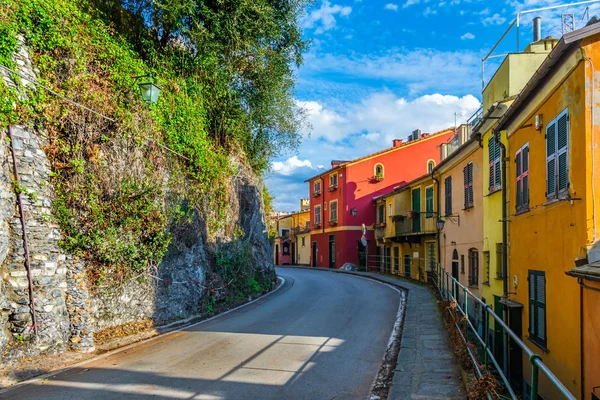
{"x":416,"y":208}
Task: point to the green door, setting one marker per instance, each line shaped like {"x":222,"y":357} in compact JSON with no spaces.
{"x":416,"y":208}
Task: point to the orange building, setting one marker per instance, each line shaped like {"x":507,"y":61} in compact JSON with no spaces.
{"x":342,"y":197}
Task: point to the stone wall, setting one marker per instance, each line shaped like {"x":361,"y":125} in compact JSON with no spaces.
{"x":68,"y":311}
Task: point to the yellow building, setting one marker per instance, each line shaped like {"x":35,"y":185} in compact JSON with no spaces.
{"x":406,"y":229}
{"x":508,"y":81}
{"x":292,"y":240}
{"x":552,"y":131}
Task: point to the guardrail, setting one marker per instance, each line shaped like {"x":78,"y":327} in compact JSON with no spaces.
{"x":452,"y":291}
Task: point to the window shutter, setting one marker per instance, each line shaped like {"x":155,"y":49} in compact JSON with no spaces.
{"x":551,"y":161}
{"x":466,"y":187}
{"x":519,"y":172}
{"x":471,"y":200}
{"x":541,"y":306}
{"x":532,"y":313}
{"x":491,"y":155}
{"x":562,"y":147}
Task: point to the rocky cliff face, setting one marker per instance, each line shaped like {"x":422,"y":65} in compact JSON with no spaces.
{"x":188,"y":281}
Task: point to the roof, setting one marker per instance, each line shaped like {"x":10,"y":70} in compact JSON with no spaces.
{"x":565,"y":46}
{"x":590,"y":271}
{"x":388,"y":150}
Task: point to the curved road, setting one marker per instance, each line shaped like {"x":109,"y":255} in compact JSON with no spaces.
{"x":321,"y":336}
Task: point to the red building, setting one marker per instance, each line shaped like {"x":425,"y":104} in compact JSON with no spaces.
{"x":341,"y":198}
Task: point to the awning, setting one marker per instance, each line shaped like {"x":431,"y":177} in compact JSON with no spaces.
{"x":588,"y":271}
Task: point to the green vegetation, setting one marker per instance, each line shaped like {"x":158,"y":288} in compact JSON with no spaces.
{"x":226,"y":70}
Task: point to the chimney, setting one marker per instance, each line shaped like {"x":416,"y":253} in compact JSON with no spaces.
{"x":416,"y":134}
{"x":397,"y":142}
{"x":537,"y":29}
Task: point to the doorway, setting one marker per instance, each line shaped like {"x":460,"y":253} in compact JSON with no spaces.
{"x":416,"y":208}
{"x":362,"y":254}
{"x":314,"y":254}
{"x":331,"y":251}
{"x":407,"y":265}
{"x":276,"y":254}
{"x":293,"y":253}
{"x":396,"y":259}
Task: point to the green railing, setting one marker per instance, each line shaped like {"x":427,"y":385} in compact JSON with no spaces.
{"x":452,"y":291}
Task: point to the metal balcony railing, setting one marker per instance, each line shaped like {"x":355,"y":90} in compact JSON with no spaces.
{"x":379,"y":232}
{"x":415,"y":223}
{"x":462,"y":304}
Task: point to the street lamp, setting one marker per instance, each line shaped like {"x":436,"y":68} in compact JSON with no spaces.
{"x":354,"y":212}
{"x":148,"y":89}
{"x":440,"y":224}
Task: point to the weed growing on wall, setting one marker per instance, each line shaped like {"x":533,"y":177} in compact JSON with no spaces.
{"x":112,"y":178}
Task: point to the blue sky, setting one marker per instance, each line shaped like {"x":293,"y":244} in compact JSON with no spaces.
{"x":377,"y":70}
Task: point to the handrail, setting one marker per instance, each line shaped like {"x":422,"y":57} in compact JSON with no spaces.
{"x":449,"y":289}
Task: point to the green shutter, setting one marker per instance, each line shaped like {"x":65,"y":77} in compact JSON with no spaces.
{"x":551,"y":161}
{"x":429,"y":201}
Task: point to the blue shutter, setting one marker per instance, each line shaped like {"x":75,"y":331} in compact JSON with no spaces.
{"x":551,"y":161}
{"x":562,"y":147}
{"x":519,"y":199}
{"x":491,"y":155}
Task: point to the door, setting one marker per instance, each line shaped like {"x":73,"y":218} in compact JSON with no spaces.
{"x":276,"y":254}
{"x":407,"y":265}
{"x":388,"y":259}
{"x":455,"y":272}
{"x":331,"y":251}
{"x":362,"y":254}
{"x":396,"y":259}
{"x":293,"y":253}
{"x":314,"y":254}
{"x":416,"y":208}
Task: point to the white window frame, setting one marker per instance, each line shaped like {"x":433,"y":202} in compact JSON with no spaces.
{"x":331,"y":218}
{"x":318,"y":215}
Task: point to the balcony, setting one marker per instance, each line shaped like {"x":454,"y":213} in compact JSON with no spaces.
{"x":415,"y":223}
{"x":333,"y":222}
{"x":332,"y":188}
{"x":379,"y":232}
{"x":317,"y":193}
{"x":317,"y":225}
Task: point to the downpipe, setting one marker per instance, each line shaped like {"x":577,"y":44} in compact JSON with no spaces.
{"x":24,"y":227}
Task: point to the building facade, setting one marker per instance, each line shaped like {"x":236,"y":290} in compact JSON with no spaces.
{"x":552,"y":139}
{"x":291,"y":244}
{"x":342,"y":197}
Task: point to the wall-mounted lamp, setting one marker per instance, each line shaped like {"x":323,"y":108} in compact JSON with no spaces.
{"x":538,"y":122}
{"x":148,"y":89}
{"x":453,"y":243}
{"x":354,"y":212}
{"x":440,"y":224}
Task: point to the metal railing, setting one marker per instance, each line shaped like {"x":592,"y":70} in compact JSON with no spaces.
{"x":415,"y":223}
{"x":463,"y":300}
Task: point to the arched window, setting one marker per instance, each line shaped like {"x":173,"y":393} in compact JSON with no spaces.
{"x":379,"y":172}
{"x":430,"y":166}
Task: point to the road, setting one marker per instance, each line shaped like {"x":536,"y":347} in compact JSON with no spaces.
{"x":321,"y":336}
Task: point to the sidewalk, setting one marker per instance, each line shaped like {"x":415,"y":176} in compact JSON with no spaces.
{"x":426,"y":367}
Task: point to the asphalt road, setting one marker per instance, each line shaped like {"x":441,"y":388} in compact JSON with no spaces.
{"x":321,"y":336}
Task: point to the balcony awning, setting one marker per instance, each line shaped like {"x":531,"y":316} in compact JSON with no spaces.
{"x":588,"y":271}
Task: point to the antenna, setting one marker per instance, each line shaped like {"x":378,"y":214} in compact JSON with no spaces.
{"x":568,"y":23}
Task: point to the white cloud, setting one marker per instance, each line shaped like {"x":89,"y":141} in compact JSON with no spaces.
{"x":429,"y":11}
{"x":391,"y":6}
{"x":409,"y":3}
{"x":468,"y":36}
{"x":377,"y":118}
{"x":418,"y":69}
{"x":495,"y":19}
{"x":323,"y":19}
{"x":290,"y":165}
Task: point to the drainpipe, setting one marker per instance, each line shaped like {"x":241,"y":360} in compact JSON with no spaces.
{"x":24,"y":227}
{"x":503,"y":182}
{"x":437,"y":186}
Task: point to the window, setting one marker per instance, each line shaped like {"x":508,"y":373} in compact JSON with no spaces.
{"x":317,"y":215}
{"x":462,"y":263}
{"x":317,"y":187}
{"x":333,"y":180}
{"x":429,"y":202}
{"x":499,"y":269}
{"x":285,"y":233}
{"x":448,"y":195}
{"x":557,"y":146}
{"x":303,"y":241}
{"x":396,"y":259}
{"x":379,"y":171}
{"x":473,"y":267}
{"x":522,"y":173}
{"x":494,"y":159}
{"x":537,"y":307}
{"x":468,"y":178}
{"x":390,"y":210}
{"x":381,"y":214}
{"x":333,"y":214}
{"x":486,"y":265}
{"x":430,"y":166}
